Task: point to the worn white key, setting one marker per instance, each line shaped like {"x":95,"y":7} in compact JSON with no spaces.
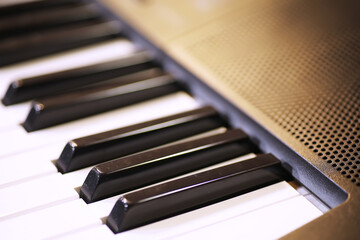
{"x":271,"y":222}
{"x":50,"y":222}
{"x":34,"y":195}
{"x":18,"y":140}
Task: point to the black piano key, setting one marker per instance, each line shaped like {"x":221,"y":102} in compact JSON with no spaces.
{"x":19,"y":8}
{"x":28,"y":46}
{"x":166,"y":199}
{"x":125,"y":91}
{"x":35,"y":20}
{"x":137,"y":170}
{"x":90,"y":150}
{"x":49,"y":84}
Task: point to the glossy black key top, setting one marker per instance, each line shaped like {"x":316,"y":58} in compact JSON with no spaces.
{"x":137,"y":170}
{"x":97,"y":148}
{"x":28,"y":46}
{"x":96,"y":99}
{"x":49,"y":84}
{"x":190,"y":192}
{"x":36,"y":20}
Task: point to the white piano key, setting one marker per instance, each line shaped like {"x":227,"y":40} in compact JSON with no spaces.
{"x":13,"y":115}
{"x":102,"y":208}
{"x":317,"y":203}
{"x":34,"y":195}
{"x":50,"y":222}
{"x":76,"y":178}
{"x":271,"y":222}
{"x":21,"y":167}
{"x":98,"y":232}
{"x":213,"y":214}
{"x":300,"y":188}
{"x":18,"y":140}
{"x":96,"y":53}
{"x":309,"y":196}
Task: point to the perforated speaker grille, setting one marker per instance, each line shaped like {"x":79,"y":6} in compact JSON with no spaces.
{"x":299,"y":63}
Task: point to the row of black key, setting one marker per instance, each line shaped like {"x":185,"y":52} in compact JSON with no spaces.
{"x":46,"y":85}
{"x":132,"y":158}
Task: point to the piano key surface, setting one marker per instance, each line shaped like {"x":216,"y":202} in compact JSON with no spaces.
{"x":35,"y":154}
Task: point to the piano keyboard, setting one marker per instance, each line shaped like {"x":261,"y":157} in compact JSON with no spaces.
{"x":124,"y":152}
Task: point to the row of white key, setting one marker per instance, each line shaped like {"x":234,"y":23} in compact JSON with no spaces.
{"x":267,"y":213}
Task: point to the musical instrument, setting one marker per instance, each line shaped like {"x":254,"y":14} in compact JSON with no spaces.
{"x":167,"y":119}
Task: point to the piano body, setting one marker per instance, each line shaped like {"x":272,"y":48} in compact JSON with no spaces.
{"x":285,"y":72}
